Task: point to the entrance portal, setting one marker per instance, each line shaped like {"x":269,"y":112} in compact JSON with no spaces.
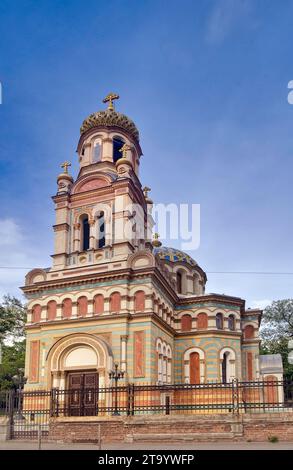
{"x":83,"y":393}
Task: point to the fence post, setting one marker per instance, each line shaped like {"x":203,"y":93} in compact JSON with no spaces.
{"x":235,"y":395}
{"x":11,"y":399}
{"x":132,"y":399}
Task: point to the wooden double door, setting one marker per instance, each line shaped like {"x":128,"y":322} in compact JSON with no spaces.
{"x":83,"y":393}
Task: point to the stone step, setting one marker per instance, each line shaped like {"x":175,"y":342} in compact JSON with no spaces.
{"x":208,"y":436}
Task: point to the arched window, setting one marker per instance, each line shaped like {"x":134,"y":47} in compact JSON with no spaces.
{"x":115,"y":302}
{"x":66,"y":308}
{"x":36,"y":313}
{"x":219,"y":321}
{"x":179,"y":282}
{"x":97,"y":150}
{"x":101,"y":230}
{"x":117,"y":145}
{"x":186,"y":322}
{"x":194,"y":368}
{"x":51,"y":310}
{"x":202,"y":321}
{"x":82,"y":306}
{"x":225,"y":367}
{"x":249,"y":332}
{"x":85,"y":227}
{"x":99,"y":304}
{"x":231,"y":322}
{"x":139,"y":301}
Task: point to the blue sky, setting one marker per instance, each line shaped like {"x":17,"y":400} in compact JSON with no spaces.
{"x":206,"y":83}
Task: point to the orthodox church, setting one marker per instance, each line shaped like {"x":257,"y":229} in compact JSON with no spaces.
{"x":114,"y":295}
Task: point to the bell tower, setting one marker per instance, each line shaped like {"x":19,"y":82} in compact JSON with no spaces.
{"x":104,"y":214}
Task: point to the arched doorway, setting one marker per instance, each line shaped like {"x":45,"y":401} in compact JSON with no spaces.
{"x":79,"y":365}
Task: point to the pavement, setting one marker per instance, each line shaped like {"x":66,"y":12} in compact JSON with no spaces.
{"x":33,"y":445}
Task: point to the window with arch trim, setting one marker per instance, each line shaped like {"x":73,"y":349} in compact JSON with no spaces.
{"x":66,"y":308}
{"x":51,"y":310}
{"x":99,"y":304}
{"x":118,"y":143}
{"x":101,"y":230}
{"x":219,"y":321}
{"x":186,"y":322}
{"x":202,"y":321}
{"x":82,"y":306}
{"x":249,"y":332}
{"x":179,"y":282}
{"x":139,"y":301}
{"x":97,"y":150}
{"x":231,"y":322}
{"x":36,"y":313}
{"x":85,"y":233}
{"x":115,"y":302}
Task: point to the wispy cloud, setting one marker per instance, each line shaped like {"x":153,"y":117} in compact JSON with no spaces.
{"x":225,"y":18}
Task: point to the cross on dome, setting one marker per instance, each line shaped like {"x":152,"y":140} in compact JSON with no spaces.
{"x":109,"y":99}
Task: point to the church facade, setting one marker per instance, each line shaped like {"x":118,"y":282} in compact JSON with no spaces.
{"x":114,"y":295}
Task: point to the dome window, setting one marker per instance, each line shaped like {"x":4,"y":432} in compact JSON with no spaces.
{"x":117,"y":146}
{"x":85,"y":234}
{"x":97,"y":151}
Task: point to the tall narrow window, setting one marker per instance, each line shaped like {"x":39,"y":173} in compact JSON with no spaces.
{"x":85,"y":234}
{"x":99,"y":304}
{"x":115,"y":302}
{"x":186,"y":322}
{"x":66,"y":308}
{"x":117,"y":146}
{"x":97,"y":151}
{"x":219,"y":321}
{"x":225,"y":367}
{"x":231,"y":322}
{"x":248,"y":332}
{"x":179,"y":282}
{"x":101,"y":230}
{"x":36,"y":313}
{"x":82,"y":306}
{"x":51,"y":310}
{"x":194,"y":368}
{"x":202,"y":321}
{"x":139,"y":301}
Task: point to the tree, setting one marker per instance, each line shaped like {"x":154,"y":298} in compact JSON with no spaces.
{"x":12,"y":318}
{"x":12,"y":342}
{"x":13,"y":359}
{"x":277,"y":330}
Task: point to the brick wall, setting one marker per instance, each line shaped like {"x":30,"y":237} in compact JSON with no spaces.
{"x":210,"y":427}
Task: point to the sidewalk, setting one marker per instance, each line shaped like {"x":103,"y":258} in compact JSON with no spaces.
{"x":32,"y":445}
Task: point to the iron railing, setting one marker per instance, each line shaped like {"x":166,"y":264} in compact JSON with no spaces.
{"x":31,"y":410}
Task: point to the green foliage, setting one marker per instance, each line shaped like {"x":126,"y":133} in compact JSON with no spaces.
{"x":12,"y":318}
{"x":277,"y":330}
{"x":273,"y":439}
{"x":12,"y":359}
{"x":12,"y":322}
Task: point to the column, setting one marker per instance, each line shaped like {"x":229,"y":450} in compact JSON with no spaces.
{"x":76,"y":237}
{"x":186,"y":372}
{"x":123,"y":344}
{"x":93,"y":244}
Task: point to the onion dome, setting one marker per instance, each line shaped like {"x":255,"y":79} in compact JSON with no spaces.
{"x":173,"y":255}
{"x":110,"y":118}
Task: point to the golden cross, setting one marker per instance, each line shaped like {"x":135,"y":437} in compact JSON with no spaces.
{"x":124,"y":149}
{"x":146,"y":190}
{"x":65,"y":166}
{"x":110,"y":98}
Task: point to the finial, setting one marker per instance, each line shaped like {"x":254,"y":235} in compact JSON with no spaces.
{"x":146,"y":190}
{"x":65,"y":166}
{"x":109,"y":99}
{"x":124,"y":150}
{"x":156,"y":242}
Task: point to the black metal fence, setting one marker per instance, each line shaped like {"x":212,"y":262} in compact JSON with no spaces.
{"x":30,"y":411}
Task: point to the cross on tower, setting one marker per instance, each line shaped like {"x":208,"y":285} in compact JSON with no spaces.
{"x":65,"y":166}
{"x":124,"y":149}
{"x":109,"y":99}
